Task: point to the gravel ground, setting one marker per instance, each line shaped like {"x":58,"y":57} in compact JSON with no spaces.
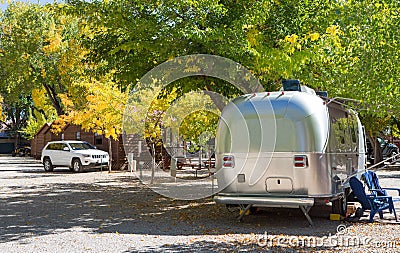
{"x":101,"y":212}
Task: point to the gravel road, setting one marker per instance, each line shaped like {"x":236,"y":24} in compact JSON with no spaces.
{"x":114,"y":212}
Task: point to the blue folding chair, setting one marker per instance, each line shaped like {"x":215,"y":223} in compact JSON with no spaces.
{"x":376,"y":204}
{"x":372,"y":182}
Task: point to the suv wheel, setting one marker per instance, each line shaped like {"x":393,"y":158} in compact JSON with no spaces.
{"x":48,"y":166}
{"x":76,"y":165}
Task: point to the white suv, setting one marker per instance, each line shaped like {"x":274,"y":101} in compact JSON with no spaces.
{"x":73,"y":154}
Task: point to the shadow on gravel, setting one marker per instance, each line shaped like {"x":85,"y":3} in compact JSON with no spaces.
{"x":126,"y":206}
{"x":389,"y":176}
{"x":32,"y":168}
{"x":212,"y":246}
{"x":40,"y":173}
{"x":392,"y":168}
{"x":123,"y":206}
{"x":19,"y":162}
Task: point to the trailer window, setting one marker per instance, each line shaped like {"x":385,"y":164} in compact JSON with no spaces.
{"x":338,"y":134}
{"x":354,"y":132}
{"x":343,"y":133}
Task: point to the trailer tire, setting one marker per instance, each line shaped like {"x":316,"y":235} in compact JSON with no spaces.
{"x":236,"y":210}
{"x":351,"y":197}
{"x":359,"y":212}
{"x":339,"y":206}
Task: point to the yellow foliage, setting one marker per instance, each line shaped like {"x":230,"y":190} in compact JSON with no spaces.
{"x":40,"y":100}
{"x":245,"y":27}
{"x":195,"y":123}
{"x":395,"y":131}
{"x":38,"y":96}
{"x":66,"y":101}
{"x":146,"y":111}
{"x":103,"y":109}
{"x":43,"y":72}
{"x":314,"y":36}
{"x":292,"y":38}
{"x":34,"y":122}
{"x":54,"y":43}
{"x":191,"y":115}
{"x":333,"y":30}
{"x":2,"y":117}
{"x":252,"y":36}
{"x":59,"y":124}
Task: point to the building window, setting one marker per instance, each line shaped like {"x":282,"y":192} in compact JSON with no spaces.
{"x":78,"y":135}
{"x":62,"y":136}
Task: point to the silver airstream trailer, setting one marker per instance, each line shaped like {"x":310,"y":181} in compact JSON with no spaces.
{"x":291,"y":149}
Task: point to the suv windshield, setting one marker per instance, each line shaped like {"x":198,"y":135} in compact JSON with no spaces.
{"x":81,"y":146}
{"x":381,"y":141}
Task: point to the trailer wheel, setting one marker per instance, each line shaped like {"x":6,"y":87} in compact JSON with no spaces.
{"x":233,"y":209}
{"x":351,"y":197}
{"x":339,"y":205}
{"x":237,"y":210}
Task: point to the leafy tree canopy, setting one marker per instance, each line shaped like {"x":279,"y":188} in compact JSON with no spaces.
{"x":349,"y":48}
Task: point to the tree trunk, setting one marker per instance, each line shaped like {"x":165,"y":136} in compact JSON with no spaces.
{"x":53,"y":96}
{"x":16,"y":140}
{"x":378,"y":157}
{"x":52,"y":93}
{"x":153,"y":162}
{"x":110,"y":155}
{"x":216,"y":98}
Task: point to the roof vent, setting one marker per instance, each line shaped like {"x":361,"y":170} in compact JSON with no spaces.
{"x":291,"y":85}
{"x":294,"y":85}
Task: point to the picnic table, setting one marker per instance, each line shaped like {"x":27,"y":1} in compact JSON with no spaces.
{"x":194,"y":163}
{"x":210,"y":163}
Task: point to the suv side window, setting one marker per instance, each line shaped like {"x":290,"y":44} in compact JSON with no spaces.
{"x":56,"y":146}
{"x":52,"y":146}
{"x":62,"y":146}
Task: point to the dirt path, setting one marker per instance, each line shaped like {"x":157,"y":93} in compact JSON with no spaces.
{"x":101,"y":212}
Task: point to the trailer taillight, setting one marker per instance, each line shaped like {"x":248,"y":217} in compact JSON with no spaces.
{"x":228,"y":161}
{"x":300,"y":161}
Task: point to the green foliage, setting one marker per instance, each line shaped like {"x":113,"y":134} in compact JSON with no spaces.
{"x":33,"y":124}
{"x":197,"y":123}
{"x":39,"y":50}
{"x":15,"y":114}
{"x":193,"y":117}
{"x":2,"y":116}
{"x":349,"y":48}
